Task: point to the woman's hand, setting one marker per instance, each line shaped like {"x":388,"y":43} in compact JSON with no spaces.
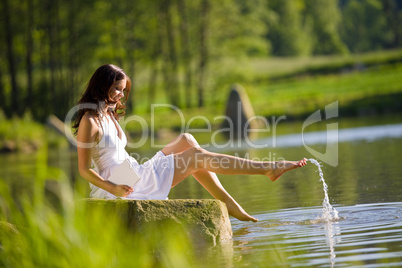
{"x":122,"y":190}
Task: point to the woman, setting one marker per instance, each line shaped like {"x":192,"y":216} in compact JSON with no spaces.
{"x":102,"y":141}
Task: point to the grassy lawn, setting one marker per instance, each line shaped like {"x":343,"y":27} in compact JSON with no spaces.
{"x":277,"y":67}
{"x":302,"y":95}
{"x":375,"y":88}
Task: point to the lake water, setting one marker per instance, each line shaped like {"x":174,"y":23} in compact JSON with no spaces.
{"x":365,"y":188}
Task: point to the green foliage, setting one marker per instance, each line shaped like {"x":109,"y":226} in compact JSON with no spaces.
{"x":238,"y":28}
{"x":393,"y":15}
{"x":26,"y":135}
{"x":286,"y":30}
{"x":325,"y":17}
{"x":22,"y":134}
{"x":175,"y":51}
{"x":365,"y":26}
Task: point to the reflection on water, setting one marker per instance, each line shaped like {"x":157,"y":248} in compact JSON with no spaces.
{"x":366,"y":234}
{"x":329,"y":233}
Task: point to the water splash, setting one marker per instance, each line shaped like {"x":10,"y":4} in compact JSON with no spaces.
{"x":329,"y":213}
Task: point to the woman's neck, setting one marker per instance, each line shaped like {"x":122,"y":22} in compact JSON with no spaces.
{"x":105,"y":109}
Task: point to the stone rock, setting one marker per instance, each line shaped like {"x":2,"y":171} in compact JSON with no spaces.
{"x":206,"y":220}
{"x":240,"y":115}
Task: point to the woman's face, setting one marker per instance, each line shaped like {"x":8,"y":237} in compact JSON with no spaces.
{"x":116,"y":91}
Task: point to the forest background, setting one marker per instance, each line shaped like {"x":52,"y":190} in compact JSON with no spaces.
{"x":189,"y":53}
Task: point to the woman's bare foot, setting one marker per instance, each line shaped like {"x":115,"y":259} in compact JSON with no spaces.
{"x":238,"y":212}
{"x":279,"y":167}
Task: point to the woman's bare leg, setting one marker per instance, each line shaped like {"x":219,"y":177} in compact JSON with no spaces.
{"x":206,"y":178}
{"x":190,"y":159}
{"x":196,"y":158}
{"x":211,"y":183}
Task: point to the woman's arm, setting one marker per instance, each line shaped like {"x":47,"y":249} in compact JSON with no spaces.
{"x":87,"y":133}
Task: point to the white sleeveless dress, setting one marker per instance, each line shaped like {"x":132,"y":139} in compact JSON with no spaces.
{"x":156,"y":174}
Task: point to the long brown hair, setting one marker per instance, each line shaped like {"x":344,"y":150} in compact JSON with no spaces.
{"x":97,"y":92}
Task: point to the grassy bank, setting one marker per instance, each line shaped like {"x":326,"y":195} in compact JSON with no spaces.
{"x":20,"y":134}
{"x":25,"y":135}
{"x":372,"y":91}
{"x":282,"y":68}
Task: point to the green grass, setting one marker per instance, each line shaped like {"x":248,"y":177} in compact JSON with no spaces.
{"x":377,"y":88}
{"x":26,"y":135}
{"x":277,"y":67}
{"x":304,"y":95}
{"x":21,"y":134}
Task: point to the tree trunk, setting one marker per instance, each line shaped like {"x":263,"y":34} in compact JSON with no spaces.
{"x":164,"y":53}
{"x":391,"y":12}
{"x":51,"y":54}
{"x":29,"y":51}
{"x":15,"y":107}
{"x":131,"y":48}
{"x":72,"y":50}
{"x":154,"y":70}
{"x":205,"y":6}
{"x":173,"y":70}
{"x":185,"y":44}
{"x":2,"y":93}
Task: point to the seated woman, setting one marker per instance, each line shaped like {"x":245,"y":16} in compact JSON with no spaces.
{"x":101,"y":141}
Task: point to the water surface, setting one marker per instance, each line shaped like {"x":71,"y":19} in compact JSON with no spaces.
{"x":367,"y":235}
{"x":365,"y":188}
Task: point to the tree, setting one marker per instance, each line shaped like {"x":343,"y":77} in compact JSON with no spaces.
{"x":203,"y":60}
{"x":173,"y":64}
{"x":364,"y":25}
{"x":9,"y":36}
{"x":325,"y":18}
{"x":285,"y":31}
{"x":29,"y":52}
{"x":2,"y":92}
{"x":186,"y":50}
{"x":393,"y":15}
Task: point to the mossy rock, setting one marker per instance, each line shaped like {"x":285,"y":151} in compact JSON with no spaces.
{"x":205,"y":220}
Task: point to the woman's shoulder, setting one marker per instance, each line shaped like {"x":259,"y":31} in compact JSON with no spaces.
{"x":90,"y":119}
{"x":89,"y":130}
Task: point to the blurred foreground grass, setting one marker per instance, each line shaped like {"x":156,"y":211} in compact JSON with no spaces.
{"x":39,"y":232}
